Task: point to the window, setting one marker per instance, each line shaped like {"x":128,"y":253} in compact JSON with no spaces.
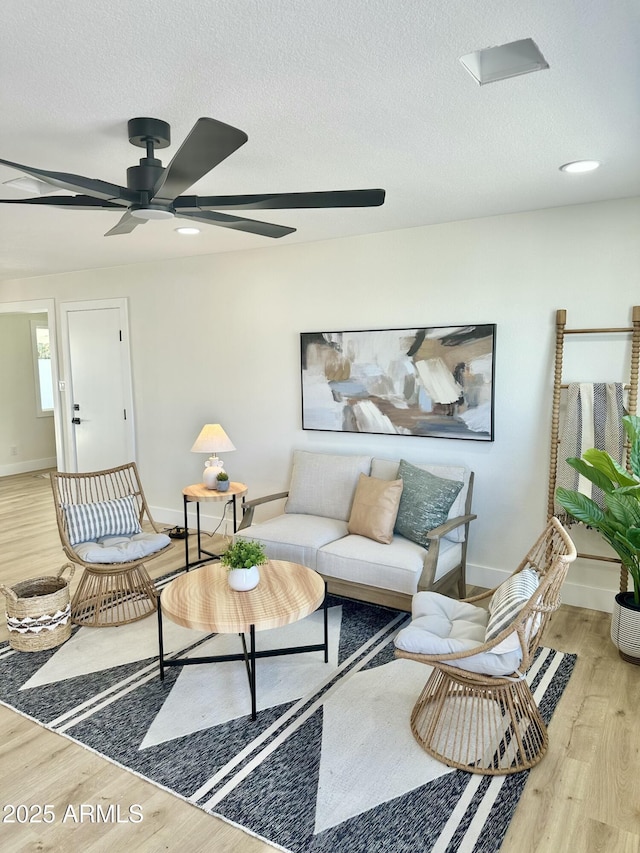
{"x":42,"y":368}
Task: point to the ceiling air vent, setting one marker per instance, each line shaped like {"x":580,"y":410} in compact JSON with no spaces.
{"x":504,"y":61}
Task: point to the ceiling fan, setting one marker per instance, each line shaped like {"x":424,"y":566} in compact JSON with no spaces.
{"x":154,"y":191}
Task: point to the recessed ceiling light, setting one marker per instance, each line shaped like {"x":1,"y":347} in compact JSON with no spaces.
{"x":187,"y":230}
{"x":580,"y":166}
{"x":504,"y":61}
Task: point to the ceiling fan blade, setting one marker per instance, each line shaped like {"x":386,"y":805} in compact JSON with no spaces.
{"x":252,"y":226}
{"x":78,"y":183}
{"x":126,"y":225}
{"x":77,"y":202}
{"x":289,"y":201}
{"x":208,"y":144}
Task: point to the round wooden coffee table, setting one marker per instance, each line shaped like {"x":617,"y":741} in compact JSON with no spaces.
{"x":202,"y":599}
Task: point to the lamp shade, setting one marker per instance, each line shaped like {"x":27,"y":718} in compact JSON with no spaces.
{"x":212,"y":439}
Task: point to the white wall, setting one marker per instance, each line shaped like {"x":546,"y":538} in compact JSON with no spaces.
{"x":32,"y":437}
{"x":216,"y":339}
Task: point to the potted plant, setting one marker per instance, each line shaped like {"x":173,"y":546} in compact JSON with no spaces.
{"x":222,"y":481}
{"x":242,"y":560}
{"x":618,"y":523}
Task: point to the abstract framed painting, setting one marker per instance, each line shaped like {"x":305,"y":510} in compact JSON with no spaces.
{"x":429,"y":381}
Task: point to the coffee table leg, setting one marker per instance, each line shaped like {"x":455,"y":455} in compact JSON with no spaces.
{"x":160,"y":643}
{"x":326,"y":625}
{"x":252,"y":677}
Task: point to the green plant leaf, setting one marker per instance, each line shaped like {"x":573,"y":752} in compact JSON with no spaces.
{"x":625,"y":508}
{"x":631,"y":424}
{"x":601,"y":460}
{"x":580,"y":507}
{"x":593,"y":474}
{"x":243,"y":554}
{"x":633,"y":535}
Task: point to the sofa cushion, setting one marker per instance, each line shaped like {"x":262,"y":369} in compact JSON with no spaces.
{"x":387,"y":469}
{"x":323,"y":484}
{"x":442,"y":625}
{"x":296,"y":537}
{"x":425,"y":502}
{"x":509,"y":599}
{"x":395,"y":567}
{"x":88,"y":522}
{"x":122,"y":549}
{"x":375,"y":507}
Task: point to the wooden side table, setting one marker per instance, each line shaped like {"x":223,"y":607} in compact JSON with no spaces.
{"x":198,"y":493}
{"x":203,"y":600}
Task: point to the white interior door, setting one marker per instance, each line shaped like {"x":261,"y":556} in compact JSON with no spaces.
{"x":98,"y":385}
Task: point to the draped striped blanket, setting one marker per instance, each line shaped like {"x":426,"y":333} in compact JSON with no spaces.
{"x":594,"y":419}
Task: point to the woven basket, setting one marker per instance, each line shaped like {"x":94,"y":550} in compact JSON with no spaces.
{"x":39,"y":612}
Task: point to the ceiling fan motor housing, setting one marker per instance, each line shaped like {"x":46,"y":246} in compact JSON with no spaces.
{"x":149,"y":133}
{"x":143,"y":178}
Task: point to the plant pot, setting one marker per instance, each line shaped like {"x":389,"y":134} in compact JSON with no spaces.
{"x":243,"y":579}
{"x":625,"y":627}
{"x":222,"y":486}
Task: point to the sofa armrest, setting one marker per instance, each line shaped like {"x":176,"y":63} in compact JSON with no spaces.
{"x":434,"y":536}
{"x":449,"y":525}
{"x":248,"y":508}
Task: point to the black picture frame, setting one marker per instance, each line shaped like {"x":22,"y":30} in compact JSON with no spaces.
{"x":427,"y":381}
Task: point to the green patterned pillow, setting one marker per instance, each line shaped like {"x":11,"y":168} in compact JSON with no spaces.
{"x":425,"y":502}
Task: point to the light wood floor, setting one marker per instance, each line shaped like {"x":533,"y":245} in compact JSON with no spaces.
{"x":583,"y":797}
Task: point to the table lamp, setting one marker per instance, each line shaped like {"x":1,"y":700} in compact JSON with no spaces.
{"x":212,"y":439}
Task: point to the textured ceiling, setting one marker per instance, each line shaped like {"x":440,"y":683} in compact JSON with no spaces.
{"x":337,"y":94}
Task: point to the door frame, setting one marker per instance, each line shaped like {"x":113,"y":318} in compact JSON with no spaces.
{"x":66,"y":389}
{"x":48,"y":306}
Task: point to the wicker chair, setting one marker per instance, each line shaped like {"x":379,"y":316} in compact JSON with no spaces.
{"x":464,"y":717}
{"x":109,"y":593}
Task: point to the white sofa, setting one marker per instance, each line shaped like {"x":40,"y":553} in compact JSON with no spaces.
{"x":314,"y":528}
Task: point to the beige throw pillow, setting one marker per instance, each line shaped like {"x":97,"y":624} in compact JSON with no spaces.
{"x":375,"y":507}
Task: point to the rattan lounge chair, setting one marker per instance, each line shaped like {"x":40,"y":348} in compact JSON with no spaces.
{"x":476,"y":711}
{"x":100,"y":516}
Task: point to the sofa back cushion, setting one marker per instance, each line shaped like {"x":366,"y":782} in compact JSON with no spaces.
{"x":324,"y":484}
{"x":387,"y":469}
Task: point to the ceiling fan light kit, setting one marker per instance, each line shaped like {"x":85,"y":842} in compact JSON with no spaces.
{"x":153,"y":191}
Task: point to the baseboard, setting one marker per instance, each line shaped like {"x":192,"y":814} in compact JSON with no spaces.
{"x":577,"y":595}
{"x":27,"y":465}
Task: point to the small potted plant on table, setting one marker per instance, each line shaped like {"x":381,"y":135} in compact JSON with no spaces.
{"x":242,"y":560}
{"x":222,"y":481}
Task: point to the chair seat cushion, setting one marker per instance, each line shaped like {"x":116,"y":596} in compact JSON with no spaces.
{"x":396,"y":566}
{"x":296,"y":536}
{"x":121,"y":549}
{"x":442,"y":625}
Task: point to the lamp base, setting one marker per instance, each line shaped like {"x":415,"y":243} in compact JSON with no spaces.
{"x":212,"y":468}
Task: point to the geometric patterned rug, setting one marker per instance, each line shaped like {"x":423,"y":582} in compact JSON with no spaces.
{"x":330,"y":763}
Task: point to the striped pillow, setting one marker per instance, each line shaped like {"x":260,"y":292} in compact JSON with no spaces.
{"x":88,"y":522}
{"x":509,"y":599}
